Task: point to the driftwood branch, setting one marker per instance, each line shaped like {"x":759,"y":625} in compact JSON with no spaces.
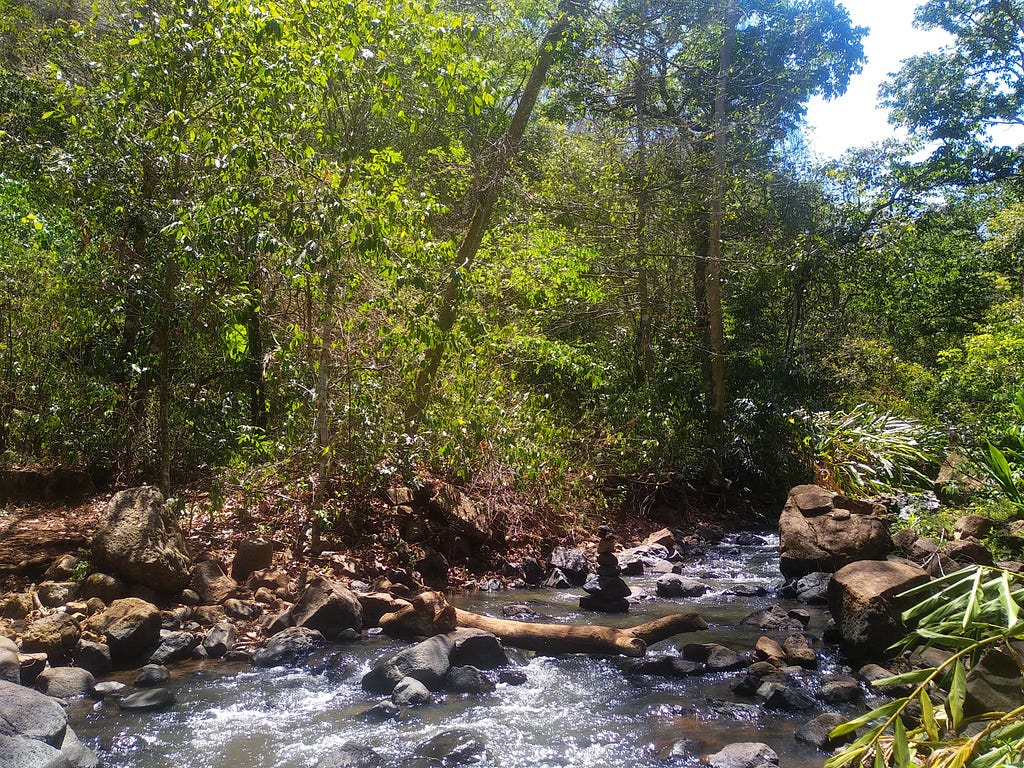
{"x":577,"y":638}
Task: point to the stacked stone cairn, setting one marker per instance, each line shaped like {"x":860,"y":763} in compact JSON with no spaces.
{"x":606,"y":592}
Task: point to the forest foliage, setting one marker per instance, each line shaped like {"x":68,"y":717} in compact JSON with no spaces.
{"x":336,"y":239}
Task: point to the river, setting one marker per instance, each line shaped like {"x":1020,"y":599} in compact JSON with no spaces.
{"x":573,"y":711}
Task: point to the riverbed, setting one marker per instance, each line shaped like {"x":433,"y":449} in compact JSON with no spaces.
{"x":572,"y":711}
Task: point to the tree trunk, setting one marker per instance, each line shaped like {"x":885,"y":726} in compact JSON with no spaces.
{"x":486,"y":195}
{"x":645,"y":329}
{"x":713,"y":286}
{"x":578,"y":638}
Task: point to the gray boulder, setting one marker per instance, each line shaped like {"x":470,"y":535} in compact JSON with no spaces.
{"x":427,"y":661}
{"x":410,"y":692}
{"x":22,"y":752}
{"x":10,"y":665}
{"x":175,"y":645}
{"x":673,"y":585}
{"x":994,"y":683}
{"x":467,"y":679}
{"x":138,"y":538}
{"x":571,"y":562}
{"x":477,"y":648}
{"x":65,"y":682}
{"x":76,"y":753}
{"x":816,"y":731}
{"x":220,"y":640}
{"x":150,"y":700}
{"x":152,"y":676}
{"x":102,"y":586}
{"x":28,"y":713}
{"x":744,"y":755}
{"x":288,"y":647}
{"x":94,"y":657}
{"x":451,"y":748}
{"x":821,"y":531}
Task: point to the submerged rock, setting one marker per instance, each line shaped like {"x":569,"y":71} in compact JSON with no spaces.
{"x":288,"y":647}
{"x":744,"y":755}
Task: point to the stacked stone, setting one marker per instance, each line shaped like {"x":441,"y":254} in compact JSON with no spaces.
{"x":606,"y":592}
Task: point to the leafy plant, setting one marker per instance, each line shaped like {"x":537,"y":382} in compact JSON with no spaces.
{"x":1006,"y":468}
{"x":865,"y":450}
{"x":967,"y":613}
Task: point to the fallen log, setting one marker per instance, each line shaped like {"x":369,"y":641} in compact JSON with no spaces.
{"x":550,"y":639}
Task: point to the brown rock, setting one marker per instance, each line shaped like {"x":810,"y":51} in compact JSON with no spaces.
{"x":55,"y":635}
{"x":138,"y":537}
{"x":130,"y":626}
{"x":16,"y":605}
{"x":211,"y":583}
{"x":252,"y":555}
{"x":972,"y":527}
{"x":814,"y":536}
{"x":328,"y":607}
{"x":862,"y":600}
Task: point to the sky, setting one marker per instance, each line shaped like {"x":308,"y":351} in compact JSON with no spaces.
{"x":854,"y":120}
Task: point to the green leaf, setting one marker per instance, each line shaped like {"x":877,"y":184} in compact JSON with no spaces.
{"x":884,"y":711}
{"x":931,"y":727}
{"x":955,"y":702}
{"x":900,"y":745}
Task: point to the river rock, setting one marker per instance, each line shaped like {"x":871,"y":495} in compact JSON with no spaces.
{"x":33,"y":715}
{"x":744,"y":755}
{"x":152,"y":676}
{"x":138,"y":537}
{"x":672,"y":585}
{"x":816,"y":732}
{"x":821,"y":531}
{"x":103,"y":586}
{"x":76,"y":753}
{"x":781,"y":696}
{"x":22,"y":752}
{"x":288,"y":647}
{"x":150,"y":700}
{"x":557,"y":580}
{"x":130,"y":627}
{"x":251,"y":555}
{"x":219,"y":640}
{"x":452,"y":748}
{"x":467,"y":679}
{"x":666,"y":666}
{"x":972,"y":527}
{"x":351,"y":755}
{"x":16,"y":605}
{"x":55,"y":635}
{"x":768,"y":649}
{"x":606,"y":587}
{"x":328,"y":607}
{"x":475,"y":647}
{"x":211,"y":583}
{"x":994,"y":683}
{"x":776,"y":618}
{"x":840,"y":689}
{"x":56,"y":593}
{"x":862,"y":600}
{"x":273,"y":579}
{"x":715,"y":657}
{"x":410,"y":692}
{"x":966,"y":552}
{"x":174,"y":646}
{"x":65,"y":682}
{"x":108,"y":688}
{"x":810,"y":589}
{"x":10,"y":664}
{"x":427,"y":661}
{"x":572,"y":563}
{"x":799,"y":652}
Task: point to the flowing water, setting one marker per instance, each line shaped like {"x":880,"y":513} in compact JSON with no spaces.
{"x":573,"y":711}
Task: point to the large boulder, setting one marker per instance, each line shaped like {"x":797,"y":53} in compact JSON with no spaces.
{"x":251,"y":555}
{"x":427,"y":662}
{"x":328,"y":607}
{"x":65,"y":682}
{"x":572,"y":563}
{"x":862,"y":598}
{"x":994,"y":684}
{"x":822,"y":531}
{"x":130,"y":627}
{"x":22,"y":752}
{"x":10,"y":664}
{"x":138,"y":537}
{"x":476,"y":523}
{"x":28,"y":713}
